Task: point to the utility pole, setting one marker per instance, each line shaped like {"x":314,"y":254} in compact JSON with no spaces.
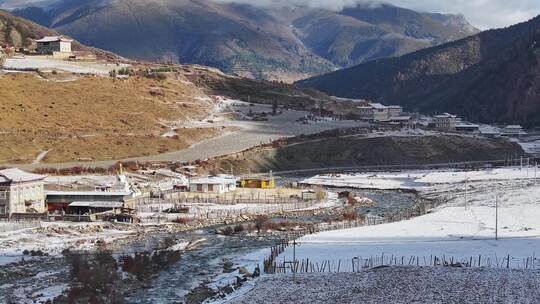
{"x":466,"y":186}
{"x":294,"y":260}
{"x":497,"y":217}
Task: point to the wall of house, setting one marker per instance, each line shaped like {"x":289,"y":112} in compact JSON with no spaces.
{"x":65,"y":47}
{"x":14,"y":197}
{"x":51,"y":47}
{"x":381,"y":115}
{"x":395,"y":111}
{"x":219,"y":188}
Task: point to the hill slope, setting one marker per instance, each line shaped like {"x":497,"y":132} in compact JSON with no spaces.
{"x":490,"y":77}
{"x":270,"y":43}
{"x":21,"y":33}
{"x":354,"y":151}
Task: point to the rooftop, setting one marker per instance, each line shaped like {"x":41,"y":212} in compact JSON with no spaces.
{"x":400,"y":118}
{"x":214,"y":180}
{"x":54,"y":39}
{"x":445,"y":115}
{"x":18,"y":175}
{"x":97,"y":204}
{"x":88,"y":193}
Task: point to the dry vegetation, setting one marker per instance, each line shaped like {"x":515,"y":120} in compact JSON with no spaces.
{"x":95,"y":117}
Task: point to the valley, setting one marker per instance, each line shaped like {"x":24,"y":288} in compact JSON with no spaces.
{"x":160,"y":151}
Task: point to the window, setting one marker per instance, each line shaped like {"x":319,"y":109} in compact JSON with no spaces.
{"x":3,"y":195}
{"x":210,"y":188}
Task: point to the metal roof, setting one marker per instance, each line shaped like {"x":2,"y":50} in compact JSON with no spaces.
{"x":54,"y":39}
{"x":97,"y":204}
{"x":17,"y":175}
{"x":213,"y":180}
{"x":87,"y":193}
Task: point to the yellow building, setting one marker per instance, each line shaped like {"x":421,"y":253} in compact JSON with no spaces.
{"x":258,"y":183}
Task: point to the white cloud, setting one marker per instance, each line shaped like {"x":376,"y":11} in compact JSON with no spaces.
{"x":483,"y":14}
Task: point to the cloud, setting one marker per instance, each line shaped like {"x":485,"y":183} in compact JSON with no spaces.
{"x":484,"y":14}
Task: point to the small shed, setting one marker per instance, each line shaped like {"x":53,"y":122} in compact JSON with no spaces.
{"x":258,"y":183}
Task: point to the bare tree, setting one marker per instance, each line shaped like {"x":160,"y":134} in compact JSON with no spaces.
{"x":2,"y":59}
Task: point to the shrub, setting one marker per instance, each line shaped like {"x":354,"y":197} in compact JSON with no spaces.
{"x":260,"y":222}
{"x":238,"y":228}
{"x":350,"y":215}
{"x":183,"y":220}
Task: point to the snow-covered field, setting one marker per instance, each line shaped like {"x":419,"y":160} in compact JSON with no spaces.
{"x":422,"y":179}
{"x":52,"y":238}
{"x":453,"y":230}
{"x":400,"y":285}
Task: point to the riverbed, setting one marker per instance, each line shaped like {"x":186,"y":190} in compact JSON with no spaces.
{"x":154,"y":276}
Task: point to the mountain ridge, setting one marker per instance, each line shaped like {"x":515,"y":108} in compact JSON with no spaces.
{"x":278,"y":43}
{"x":488,"y":77}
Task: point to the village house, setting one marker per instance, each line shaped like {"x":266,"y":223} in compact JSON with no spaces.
{"x":258,"y":183}
{"x":216,"y":184}
{"x":53,"y":44}
{"x":445,"y":121}
{"x":467,"y":128}
{"x":378,"y":112}
{"x":403,"y":121}
{"x":513,"y":130}
{"x":21,"y":192}
{"x":66,"y":201}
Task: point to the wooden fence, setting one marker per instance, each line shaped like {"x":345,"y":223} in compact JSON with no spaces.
{"x":357,"y":264}
{"x":9,"y":226}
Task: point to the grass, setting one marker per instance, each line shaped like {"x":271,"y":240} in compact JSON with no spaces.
{"x":94,"y":117}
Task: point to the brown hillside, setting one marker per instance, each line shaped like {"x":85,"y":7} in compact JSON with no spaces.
{"x":93,"y":117}
{"x":354,"y":151}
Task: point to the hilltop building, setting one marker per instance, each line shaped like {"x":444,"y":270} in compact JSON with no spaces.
{"x":53,"y":44}
{"x":513,"y":130}
{"x":445,"y":121}
{"x":21,"y":192}
{"x":378,"y":112}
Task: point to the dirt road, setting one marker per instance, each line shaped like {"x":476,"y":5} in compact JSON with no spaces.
{"x":250,"y":133}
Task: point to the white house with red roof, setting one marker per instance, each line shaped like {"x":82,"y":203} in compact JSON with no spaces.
{"x":21,"y":192}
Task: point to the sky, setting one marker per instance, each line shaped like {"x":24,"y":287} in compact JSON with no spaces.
{"x":483,"y":14}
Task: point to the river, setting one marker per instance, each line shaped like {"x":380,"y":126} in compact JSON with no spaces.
{"x":154,"y":276}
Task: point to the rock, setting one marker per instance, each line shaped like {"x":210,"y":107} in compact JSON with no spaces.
{"x":156,"y":91}
{"x":243,"y":271}
{"x":228,"y":267}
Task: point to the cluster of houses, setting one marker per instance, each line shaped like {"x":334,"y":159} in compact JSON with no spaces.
{"x":445,"y":122}
{"x":449,"y":122}
{"x":23,"y":193}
